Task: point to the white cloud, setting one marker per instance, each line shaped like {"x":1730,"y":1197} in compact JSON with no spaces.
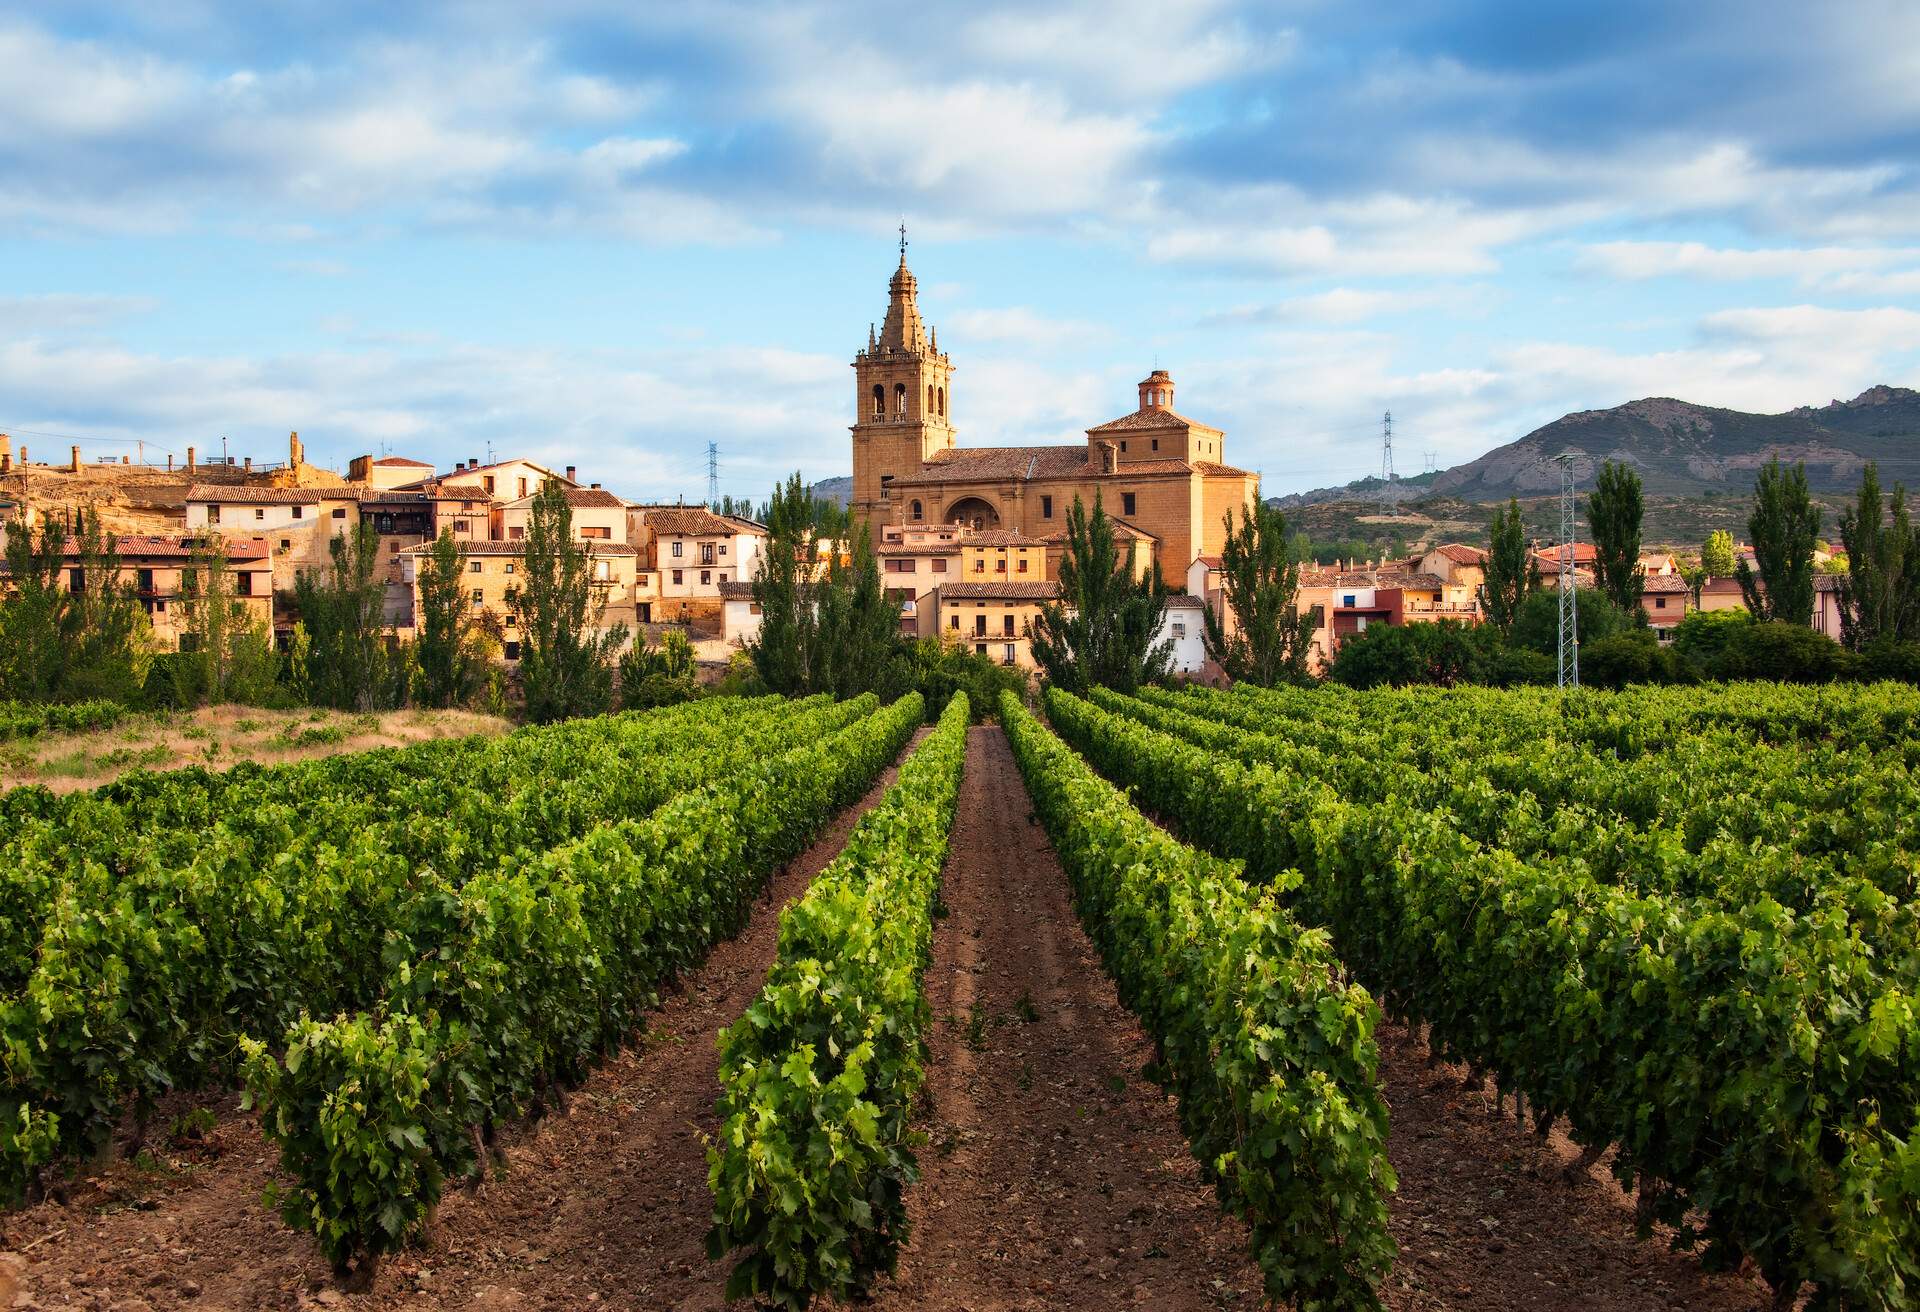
{"x":1850,"y":268}
{"x":60,"y":311}
{"x":1021,"y":325}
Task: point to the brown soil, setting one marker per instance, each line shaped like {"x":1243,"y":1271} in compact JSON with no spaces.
{"x":1485,"y":1218}
{"x":603,"y":1206}
{"x":221,"y":736}
{"x":1056,"y":1176}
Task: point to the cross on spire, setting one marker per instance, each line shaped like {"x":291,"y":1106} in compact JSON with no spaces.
{"x":903,"y":242}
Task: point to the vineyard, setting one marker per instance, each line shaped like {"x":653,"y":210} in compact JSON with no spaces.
{"x":1171,"y":999}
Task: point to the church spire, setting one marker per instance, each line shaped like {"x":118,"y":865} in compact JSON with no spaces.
{"x":903,"y":330}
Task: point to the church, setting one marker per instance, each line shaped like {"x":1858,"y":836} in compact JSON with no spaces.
{"x":1164,"y":475}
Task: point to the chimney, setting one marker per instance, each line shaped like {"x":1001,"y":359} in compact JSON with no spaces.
{"x":247,"y":464}
{"x":126,"y":460}
{"x":594,"y":486}
{"x":76,"y":459}
{"x":6,"y":462}
{"x":570,"y":474}
{"x":473,"y":462}
{"x":23,"y":458}
{"x":169,"y":462}
{"x":189,"y":458}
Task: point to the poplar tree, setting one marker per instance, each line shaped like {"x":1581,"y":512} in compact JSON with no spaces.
{"x":857,"y":626}
{"x":1510,"y":572}
{"x":1880,"y":593}
{"x":1102,"y":630}
{"x":1260,"y":575}
{"x":1716,"y":555}
{"x":1614,"y":511}
{"x":59,"y":642}
{"x":784,"y":591}
{"x":1783,"y":528}
{"x":566,"y":660}
{"x":452,"y":668}
{"x":343,"y":609}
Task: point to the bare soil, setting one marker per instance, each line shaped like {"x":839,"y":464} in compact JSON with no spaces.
{"x":221,"y":736}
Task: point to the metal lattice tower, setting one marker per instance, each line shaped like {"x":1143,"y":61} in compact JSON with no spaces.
{"x":1569,"y":594}
{"x":1386,"y":462}
{"x":713,"y":474}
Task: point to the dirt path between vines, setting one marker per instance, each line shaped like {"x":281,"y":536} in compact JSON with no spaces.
{"x":1485,"y":1221}
{"x":603,"y":1206}
{"x":1056,"y":1176}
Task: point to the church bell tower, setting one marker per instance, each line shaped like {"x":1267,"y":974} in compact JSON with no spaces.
{"x":901,"y":393}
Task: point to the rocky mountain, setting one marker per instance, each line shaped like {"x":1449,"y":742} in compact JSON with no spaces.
{"x":1682,"y":449}
{"x":837,"y":490}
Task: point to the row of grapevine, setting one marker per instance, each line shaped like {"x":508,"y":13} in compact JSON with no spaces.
{"x":523,"y":975}
{"x":1757,"y":1072}
{"x":819,"y":1076}
{"x":1267,"y":1045}
{"x":30,"y":719}
{"x":132,"y":978}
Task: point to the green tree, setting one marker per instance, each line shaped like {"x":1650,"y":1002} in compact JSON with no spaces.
{"x":1614,"y":510}
{"x":105,"y":625}
{"x":784,"y":590}
{"x":566,"y":659}
{"x":1879,"y":595}
{"x":235,"y":653}
{"x":1510,"y":571}
{"x":857,"y":626}
{"x":1537,"y":626}
{"x":1261,"y":579}
{"x":343,"y":609}
{"x":1716,"y":554}
{"x":449,"y":651}
{"x":32,"y":619}
{"x":1103,"y":629}
{"x":1782,"y":528}
{"x":73,"y":627}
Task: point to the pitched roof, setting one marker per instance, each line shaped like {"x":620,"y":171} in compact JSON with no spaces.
{"x":1150,"y":417}
{"x":1039,"y":591}
{"x":1211,"y":562}
{"x":224,"y":494}
{"x":987,"y":464}
{"x":518,"y":547}
{"x":736,"y":590}
{"x":1122,"y":531}
{"x":174,"y":547}
{"x":1583,"y":553}
{"x":690,"y":521}
{"x":1185,"y":601}
{"x":1369,"y":578}
{"x":402,"y":460}
{"x":1663,"y":583}
{"x":1461,"y":554}
{"x":581,"y":498}
{"x":998,"y":537}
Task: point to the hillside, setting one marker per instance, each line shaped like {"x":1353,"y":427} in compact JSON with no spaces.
{"x":1682,"y":449}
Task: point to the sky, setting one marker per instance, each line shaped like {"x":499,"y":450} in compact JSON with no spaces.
{"x":608,"y":234}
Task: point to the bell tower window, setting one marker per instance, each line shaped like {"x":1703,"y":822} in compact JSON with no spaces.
{"x":899,"y":400}
{"x":916,"y":510}
{"x":930,"y":409}
{"x":942,"y":394}
{"x":879,"y":401}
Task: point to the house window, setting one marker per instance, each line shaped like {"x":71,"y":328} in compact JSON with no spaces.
{"x":259,"y":512}
{"x":1006,"y":625}
{"x":1128,"y":504}
{"x":393,"y":546}
{"x":723,"y":548}
{"x":677,"y":576}
{"x":1179,"y":630}
{"x":953,"y":621}
{"x":243,"y":585}
{"x":516,"y":533}
{"x":511,"y":649}
{"x":477,"y":596}
{"x":939,"y":564}
{"x":1023,"y":565}
{"x":160,"y":608}
{"x":1008,"y":659}
{"x":299,"y":512}
{"x":146,"y":580}
{"x":1123,"y":444}
{"x":1046,"y":507}
{"x":286,"y":544}
{"x":1659,"y":603}
{"x":980,"y":624}
{"x":509,"y":567}
{"x":596,"y":533}
{"x":473,"y":567}
{"x":487,"y":482}
{"x":1000,"y":565}
{"x":979,"y":564}
{"x":677,"y":553}
{"x":460,"y":526}
{"x":523,"y":487}
{"x":602,"y":570}
{"x":706,"y":577}
{"x":980,"y":649}
{"x":1347,"y":600}
{"x":1156,"y":444}
{"x":706,"y":553}
{"x":213,"y":514}
{"x":340,"y":512}
{"x":723,"y":576}
{"x":914,"y":511}
{"x":640,"y":581}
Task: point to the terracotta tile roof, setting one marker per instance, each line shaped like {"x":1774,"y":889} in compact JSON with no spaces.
{"x":1158,"y":417}
{"x":689,"y":521}
{"x":936,"y":549}
{"x":402,"y":460}
{"x":1461,"y":554}
{"x":1211,"y":562}
{"x":1583,"y":553}
{"x":736,"y":590}
{"x":1663,"y":583}
{"x":518,"y":547}
{"x":1214,"y":470}
{"x":1186,"y":601}
{"x":1721,"y":586}
{"x":1042,"y":591}
{"x":179,"y":548}
{"x":223,"y":494}
{"x":582,"y":498}
{"x":1122,"y":530}
{"x":999,"y":537}
{"x":1369,"y":578}
{"x":990,"y":463}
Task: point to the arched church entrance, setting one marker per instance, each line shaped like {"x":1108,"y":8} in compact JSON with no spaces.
{"x":974,"y":512}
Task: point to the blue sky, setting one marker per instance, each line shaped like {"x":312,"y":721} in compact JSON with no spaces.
{"x":606,"y":234}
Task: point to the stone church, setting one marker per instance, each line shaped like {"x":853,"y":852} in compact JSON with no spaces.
{"x":1163,"y":474}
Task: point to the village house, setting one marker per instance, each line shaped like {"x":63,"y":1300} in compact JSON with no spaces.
{"x":994,"y":617}
{"x":1184,"y":624}
{"x":597,"y":515}
{"x":688,"y":553}
{"x":161,"y":570}
{"x":495,"y":571}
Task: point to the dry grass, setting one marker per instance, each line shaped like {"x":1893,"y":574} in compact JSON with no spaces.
{"x":220,"y":736}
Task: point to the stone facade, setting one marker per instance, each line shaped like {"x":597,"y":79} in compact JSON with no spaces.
{"x":1159,"y":472}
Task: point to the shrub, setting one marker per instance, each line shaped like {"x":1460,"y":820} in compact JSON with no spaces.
{"x":1790,"y":653}
{"x":1623,"y":658}
{"x":1538,"y":624}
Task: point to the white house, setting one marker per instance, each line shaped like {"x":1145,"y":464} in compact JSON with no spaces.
{"x":1184,"y":623}
{"x":740,"y":617}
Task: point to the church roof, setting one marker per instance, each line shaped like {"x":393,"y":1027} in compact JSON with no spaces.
{"x":1152,"y":416}
{"x":989,"y":464}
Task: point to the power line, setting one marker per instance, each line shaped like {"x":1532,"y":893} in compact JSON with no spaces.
{"x":1386,"y":462}
{"x":1569,"y":595}
{"x":713,"y":448}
